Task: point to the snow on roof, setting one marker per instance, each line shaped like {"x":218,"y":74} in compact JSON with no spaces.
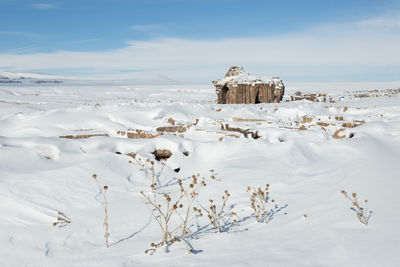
{"x":237,"y":75}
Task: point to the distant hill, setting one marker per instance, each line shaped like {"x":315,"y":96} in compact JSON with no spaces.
{"x":7,"y":77}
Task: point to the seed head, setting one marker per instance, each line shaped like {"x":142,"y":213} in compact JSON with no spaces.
{"x":105,"y":187}
{"x":94,"y":176}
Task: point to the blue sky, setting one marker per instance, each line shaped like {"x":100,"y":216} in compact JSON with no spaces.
{"x":197,"y":39}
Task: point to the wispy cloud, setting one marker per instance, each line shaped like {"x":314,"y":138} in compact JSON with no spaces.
{"x":147,"y":28}
{"x":332,"y":50}
{"x":23,"y":49}
{"x":388,"y":22}
{"x":43,"y":6}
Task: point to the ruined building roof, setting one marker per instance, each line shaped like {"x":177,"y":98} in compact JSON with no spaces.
{"x":237,"y":75}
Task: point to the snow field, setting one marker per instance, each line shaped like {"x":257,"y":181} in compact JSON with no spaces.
{"x":41,"y":173}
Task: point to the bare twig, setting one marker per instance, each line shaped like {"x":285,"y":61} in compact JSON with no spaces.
{"x":216,"y":216}
{"x":362,"y":213}
{"x":103,"y":191}
{"x":259,"y":199}
{"x":62,"y":220}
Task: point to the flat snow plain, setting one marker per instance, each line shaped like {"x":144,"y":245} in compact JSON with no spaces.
{"x":41,"y":174}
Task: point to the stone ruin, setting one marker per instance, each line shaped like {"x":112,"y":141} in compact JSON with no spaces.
{"x":239,"y":87}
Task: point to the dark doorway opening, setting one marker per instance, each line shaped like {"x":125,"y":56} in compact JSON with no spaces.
{"x":224,"y":92}
{"x":257,"y":98}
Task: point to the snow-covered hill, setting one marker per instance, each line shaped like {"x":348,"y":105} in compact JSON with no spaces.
{"x":28,"y":75}
{"x":7,"y":77}
{"x":53,"y":138}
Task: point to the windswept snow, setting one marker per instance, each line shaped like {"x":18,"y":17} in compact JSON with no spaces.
{"x":41,"y":174}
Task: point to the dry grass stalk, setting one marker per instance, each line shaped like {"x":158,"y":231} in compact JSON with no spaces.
{"x":175,"y":216}
{"x":190,"y":194}
{"x":162,"y":210}
{"x":259,"y":199}
{"x":148,"y":166}
{"x":362,"y":213}
{"x":62,"y":220}
{"x":217,"y":216}
{"x":103,"y":191}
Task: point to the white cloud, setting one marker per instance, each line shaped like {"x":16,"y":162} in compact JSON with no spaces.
{"x":388,"y":22}
{"x":43,"y":6}
{"x":329,"y":50}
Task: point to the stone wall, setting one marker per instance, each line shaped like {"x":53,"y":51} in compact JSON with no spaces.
{"x":246,"y":94}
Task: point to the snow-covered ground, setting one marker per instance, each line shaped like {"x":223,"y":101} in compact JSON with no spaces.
{"x":313,"y":225}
